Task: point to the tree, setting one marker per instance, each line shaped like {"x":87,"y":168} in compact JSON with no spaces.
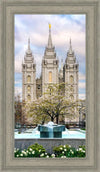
{"x":53,"y":105}
{"x":82,"y":113}
{"x":18,"y":110}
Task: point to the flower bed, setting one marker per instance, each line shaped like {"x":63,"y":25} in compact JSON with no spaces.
{"x":62,"y":151}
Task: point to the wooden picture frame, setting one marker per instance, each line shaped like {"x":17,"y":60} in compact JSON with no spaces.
{"x":92,"y":10}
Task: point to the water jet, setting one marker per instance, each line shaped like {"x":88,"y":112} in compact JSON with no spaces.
{"x":51,"y":130}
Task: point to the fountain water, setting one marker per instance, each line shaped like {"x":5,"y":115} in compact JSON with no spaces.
{"x":35,"y":133}
{"x":51,"y":130}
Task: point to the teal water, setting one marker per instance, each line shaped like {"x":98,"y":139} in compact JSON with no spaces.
{"x":33,"y":133}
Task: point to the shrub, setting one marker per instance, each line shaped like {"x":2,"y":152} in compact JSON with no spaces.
{"x":38,"y":149}
{"x":17,"y":152}
{"x":68,"y":151}
{"x":58,"y":150}
{"x":62,"y":151}
{"x":35,"y":150}
{"x":81,"y":151}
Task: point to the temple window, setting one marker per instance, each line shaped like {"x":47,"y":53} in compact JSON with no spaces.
{"x":38,"y":86}
{"x":28,"y":89}
{"x":50,"y":76}
{"x":71,"y":97}
{"x":71,"y":79}
{"x":28,"y":78}
{"x":28,"y":98}
{"x":71,"y":88}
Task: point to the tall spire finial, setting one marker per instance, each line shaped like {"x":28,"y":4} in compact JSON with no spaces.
{"x":28,"y":43}
{"x":49,"y":39}
{"x":49,"y":26}
{"x":70,"y":47}
{"x":70,"y":41}
{"x":70,"y":44}
{"x":28,"y":49}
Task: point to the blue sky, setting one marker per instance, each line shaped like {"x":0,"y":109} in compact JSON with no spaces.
{"x":63,"y":27}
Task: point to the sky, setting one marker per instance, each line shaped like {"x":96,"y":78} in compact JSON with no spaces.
{"x":63,"y":27}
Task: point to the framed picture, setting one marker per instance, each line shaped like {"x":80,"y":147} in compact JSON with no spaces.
{"x":49,"y":96}
{"x":50,"y":88}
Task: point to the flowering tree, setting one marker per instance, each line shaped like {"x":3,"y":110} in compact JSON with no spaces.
{"x":52,"y":106}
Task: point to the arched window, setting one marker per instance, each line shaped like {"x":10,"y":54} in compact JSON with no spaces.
{"x":50,"y":91}
{"x":29,"y":89}
{"x":28,"y":98}
{"x":50,"y":76}
{"x":28,"y":78}
{"x":71,"y":97}
{"x":71,"y":79}
{"x":83,"y":117}
{"x":71,"y":88}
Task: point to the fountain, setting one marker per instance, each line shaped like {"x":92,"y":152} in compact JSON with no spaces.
{"x":51,"y":130}
{"x":49,"y":135}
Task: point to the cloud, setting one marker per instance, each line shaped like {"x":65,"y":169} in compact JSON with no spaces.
{"x":63,"y":27}
{"x":82,"y":96}
{"x":18,"y":91}
{"x":18,"y":82}
{"x":82,"y":76}
{"x":82,"y":85}
{"x":18,"y":66}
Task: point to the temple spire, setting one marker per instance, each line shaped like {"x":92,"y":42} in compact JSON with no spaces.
{"x":28,"y":52}
{"x":28,"y":43}
{"x":49,"y":39}
{"x":70,"y":47}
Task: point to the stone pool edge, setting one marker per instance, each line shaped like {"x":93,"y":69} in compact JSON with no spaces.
{"x":48,"y":144}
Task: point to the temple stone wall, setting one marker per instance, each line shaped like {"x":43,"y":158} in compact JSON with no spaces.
{"x":38,"y":87}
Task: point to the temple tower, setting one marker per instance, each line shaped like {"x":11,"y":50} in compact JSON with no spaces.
{"x":71,"y":68}
{"x":49,"y":65}
{"x":28,"y":76}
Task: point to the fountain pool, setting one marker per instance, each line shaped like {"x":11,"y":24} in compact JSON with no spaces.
{"x":34,"y":133}
{"x":53,"y":135}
